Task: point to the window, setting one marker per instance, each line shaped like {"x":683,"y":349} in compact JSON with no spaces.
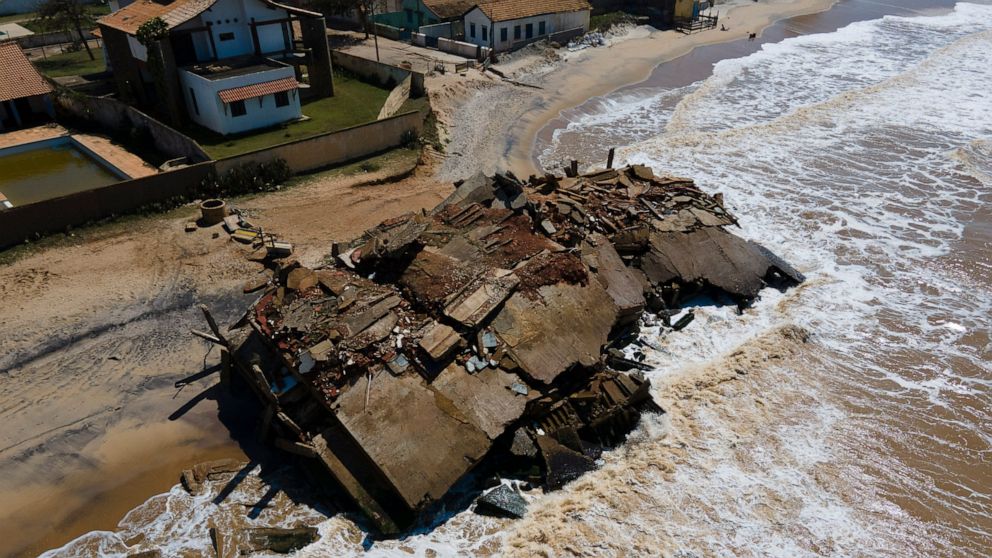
{"x":516,"y":32}
{"x":540,"y":28}
{"x":530,"y":30}
{"x":485,"y":31}
{"x":471,"y":30}
{"x":192,"y":96}
{"x":282,"y":99}
{"x":503,"y":34}
{"x":226,"y":36}
{"x":238,"y":108}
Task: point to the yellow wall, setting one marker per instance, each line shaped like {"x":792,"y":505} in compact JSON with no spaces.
{"x":683,"y":8}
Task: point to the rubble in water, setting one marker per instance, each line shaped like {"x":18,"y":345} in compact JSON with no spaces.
{"x":489,"y":328}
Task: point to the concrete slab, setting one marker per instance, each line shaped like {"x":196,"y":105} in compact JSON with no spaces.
{"x":567,"y":326}
{"x":420,"y":439}
{"x":484,"y":397}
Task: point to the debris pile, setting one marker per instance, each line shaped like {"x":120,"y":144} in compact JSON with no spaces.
{"x":489,"y":328}
{"x":666,"y":227}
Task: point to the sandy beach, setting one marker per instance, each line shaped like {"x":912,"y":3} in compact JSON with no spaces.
{"x":96,"y":334}
{"x":493,"y":124}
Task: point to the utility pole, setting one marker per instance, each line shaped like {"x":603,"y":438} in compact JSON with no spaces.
{"x":375,"y":33}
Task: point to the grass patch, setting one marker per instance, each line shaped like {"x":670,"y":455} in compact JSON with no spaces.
{"x":72,"y":64}
{"x":18,"y":18}
{"x":604,"y":22}
{"x":354,"y":102}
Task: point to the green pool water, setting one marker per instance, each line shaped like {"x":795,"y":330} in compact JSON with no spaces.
{"x":49,"y":171}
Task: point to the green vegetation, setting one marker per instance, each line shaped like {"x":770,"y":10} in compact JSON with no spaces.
{"x":33,"y":22}
{"x":604,"y":22}
{"x":71,"y":64}
{"x":17,"y":18}
{"x":354,"y":102}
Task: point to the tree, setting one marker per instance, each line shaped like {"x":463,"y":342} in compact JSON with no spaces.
{"x":364,"y":8}
{"x":67,"y":15}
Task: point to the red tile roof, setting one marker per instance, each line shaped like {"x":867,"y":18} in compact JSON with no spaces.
{"x":507,"y":10}
{"x":448,"y":9}
{"x":257,"y":90}
{"x":18,"y":78}
{"x":174,"y":13}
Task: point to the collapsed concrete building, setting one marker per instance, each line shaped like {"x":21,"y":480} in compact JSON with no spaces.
{"x":489,"y":328}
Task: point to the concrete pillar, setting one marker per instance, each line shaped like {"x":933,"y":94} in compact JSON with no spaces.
{"x":16,"y":114}
{"x":174,"y":103}
{"x":314,"y":33}
{"x":124,"y":67}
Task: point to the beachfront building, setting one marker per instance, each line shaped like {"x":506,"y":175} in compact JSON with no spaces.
{"x":424,"y":13}
{"x":25,"y":96}
{"x":228,"y":65}
{"x":509,"y":24}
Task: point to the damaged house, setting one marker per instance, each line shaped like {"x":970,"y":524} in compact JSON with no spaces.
{"x":489,"y":330}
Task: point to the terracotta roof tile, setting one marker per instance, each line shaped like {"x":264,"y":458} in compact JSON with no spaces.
{"x":177,"y":12}
{"x":18,"y":77}
{"x":257,"y":90}
{"x":447,"y":9}
{"x":506,"y":10}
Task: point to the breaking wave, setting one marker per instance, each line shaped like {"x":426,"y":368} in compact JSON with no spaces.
{"x":848,"y":416}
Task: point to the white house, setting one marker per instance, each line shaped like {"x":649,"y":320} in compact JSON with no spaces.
{"x":509,"y":24}
{"x":231,"y":65}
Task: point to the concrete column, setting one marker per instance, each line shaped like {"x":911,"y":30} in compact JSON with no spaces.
{"x":314,"y":33}
{"x":123,"y":65}
{"x":174,"y":104}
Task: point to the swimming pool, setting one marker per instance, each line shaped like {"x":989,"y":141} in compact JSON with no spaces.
{"x":52,"y":168}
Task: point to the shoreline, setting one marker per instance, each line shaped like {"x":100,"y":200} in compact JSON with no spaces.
{"x":594,"y":73}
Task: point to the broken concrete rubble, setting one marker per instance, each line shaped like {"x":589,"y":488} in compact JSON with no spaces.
{"x":502,"y":501}
{"x":484,"y":331}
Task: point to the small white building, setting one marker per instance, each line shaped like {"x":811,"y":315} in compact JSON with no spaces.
{"x":228,"y":98}
{"x":508,"y":24}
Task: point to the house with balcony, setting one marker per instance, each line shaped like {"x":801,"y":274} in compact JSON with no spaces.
{"x":228,"y":65}
{"x":510,"y":24}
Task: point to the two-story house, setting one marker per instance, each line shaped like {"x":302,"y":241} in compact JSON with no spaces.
{"x":228,"y":65}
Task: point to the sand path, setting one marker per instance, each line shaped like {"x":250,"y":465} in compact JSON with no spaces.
{"x":96,"y":335}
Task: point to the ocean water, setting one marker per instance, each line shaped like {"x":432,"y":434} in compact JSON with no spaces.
{"x":851,"y":416}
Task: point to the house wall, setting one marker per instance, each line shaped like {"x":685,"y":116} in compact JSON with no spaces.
{"x":463,"y":49}
{"x":235,"y":17}
{"x":416,"y":15}
{"x":138,"y":50}
{"x":383,"y":74}
{"x":111,"y":116}
{"x":688,"y":9}
{"x":554,"y":23}
{"x":333,"y":148}
{"x":260,"y":112}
